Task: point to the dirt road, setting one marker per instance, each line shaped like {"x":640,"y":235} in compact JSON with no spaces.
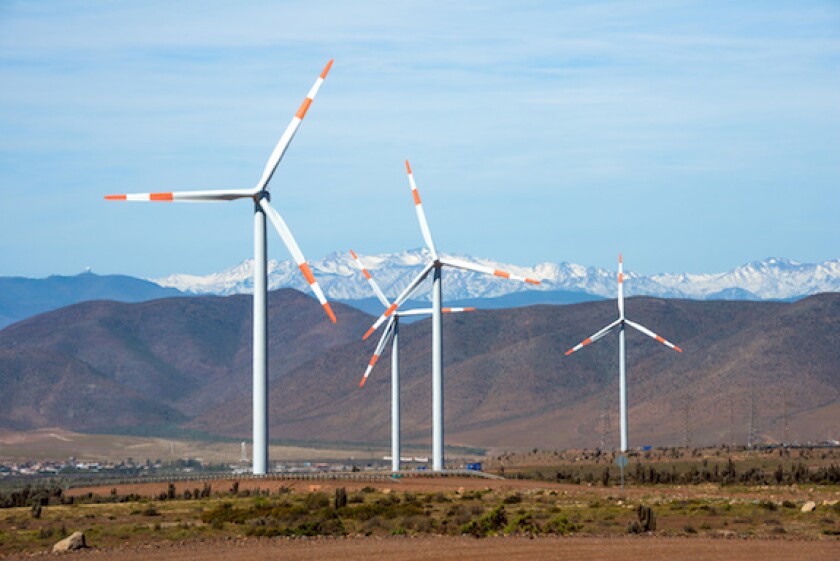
{"x":467,"y":549}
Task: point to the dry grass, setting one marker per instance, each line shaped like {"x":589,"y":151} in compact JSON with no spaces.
{"x":442,"y":506}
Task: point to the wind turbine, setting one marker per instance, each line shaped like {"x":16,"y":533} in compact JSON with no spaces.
{"x":392,"y":331}
{"x":262,"y":209}
{"x":435,"y":265}
{"x":620,"y":323}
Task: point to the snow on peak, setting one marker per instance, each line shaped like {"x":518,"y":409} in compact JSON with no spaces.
{"x":340,"y":278}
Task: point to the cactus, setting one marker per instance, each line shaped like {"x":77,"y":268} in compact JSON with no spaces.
{"x":647,"y":519}
{"x":340,"y":497}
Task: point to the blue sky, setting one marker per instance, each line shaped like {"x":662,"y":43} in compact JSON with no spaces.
{"x":691,"y":136}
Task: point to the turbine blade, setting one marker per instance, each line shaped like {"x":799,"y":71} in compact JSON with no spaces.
{"x":620,"y":287}
{"x":185,"y":196}
{"x":593,"y":338}
{"x":653,"y":335}
{"x":289,"y":133}
{"x":428,"y":311}
{"x":373,"y":284}
{"x":380,"y":346}
{"x":297,"y":255}
{"x":412,"y":286}
{"x":484,"y":269}
{"x":421,"y":216}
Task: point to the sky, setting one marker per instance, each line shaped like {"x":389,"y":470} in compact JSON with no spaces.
{"x":690,"y":136}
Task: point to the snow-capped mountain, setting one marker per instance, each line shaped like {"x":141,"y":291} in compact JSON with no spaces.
{"x":768,"y":279}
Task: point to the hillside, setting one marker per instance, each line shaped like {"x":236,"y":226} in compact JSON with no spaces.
{"x":185,"y":354}
{"x":508,"y":383}
{"x":22,"y":297}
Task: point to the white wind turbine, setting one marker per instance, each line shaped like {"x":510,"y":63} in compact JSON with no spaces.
{"x":392,"y":331}
{"x":620,"y":323}
{"x":262,"y":208}
{"x":436,"y":264}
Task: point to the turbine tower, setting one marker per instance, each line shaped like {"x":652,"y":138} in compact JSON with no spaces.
{"x":435,"y":266}
{"x":262,"y":209}
{"x":620,"y":323}
{"x":392,"y":331}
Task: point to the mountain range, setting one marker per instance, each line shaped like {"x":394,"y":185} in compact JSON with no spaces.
{"x":562,"y":283}
{"x":185,"y":363}
{"x":22,"y":297}
{"x":772,"y":278}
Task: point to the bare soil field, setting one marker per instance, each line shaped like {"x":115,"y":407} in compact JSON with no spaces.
{"x":427,"y":517}
{"x":58,"y":444}
{"x":463,"y":484}
{"x":468,"y":548}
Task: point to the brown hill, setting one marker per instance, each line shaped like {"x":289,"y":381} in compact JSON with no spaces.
{"x":508,"y":383}
{"x":178,"y":356}
{"x":42,"y":390}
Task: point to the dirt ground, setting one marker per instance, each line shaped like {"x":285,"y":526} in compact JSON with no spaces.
{"x":467,"y":548}
{"x":58,"y":444}
{"x":460,"y":484}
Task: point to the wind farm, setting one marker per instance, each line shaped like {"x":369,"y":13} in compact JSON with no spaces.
{"x":176,"y":387}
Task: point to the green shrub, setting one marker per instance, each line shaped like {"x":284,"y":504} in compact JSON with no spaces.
{"x":513,"y":499}
{"x":561,"y":525}
{"x":315,"y":501}
{"x":491,"y":523}
{"x":523,"y":524}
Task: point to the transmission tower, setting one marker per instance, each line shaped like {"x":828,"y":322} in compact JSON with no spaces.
{"x":605,"y":424}
{"x":751,"y":439}
{"x":686,"y":422}
{"x":731,"y":421}
{"x":786,"y":437}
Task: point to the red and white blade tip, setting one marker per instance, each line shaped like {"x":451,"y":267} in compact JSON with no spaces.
{"x":310,"y":278}
{"x":368,"y":370}
{"x":141,"y":197}
{"x":407,"y":167}
{"x":667,"y":343}
{"x":506,"y":275}
{"x":353,"y":253}
{"x":391,"y":309}
{"x":327,"y":68}
{"x":579,"y":346}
